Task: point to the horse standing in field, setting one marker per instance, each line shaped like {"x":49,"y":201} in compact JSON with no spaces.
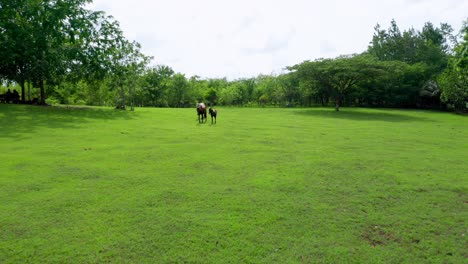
{"x":201,"y":111}
{"x":213,"y":114}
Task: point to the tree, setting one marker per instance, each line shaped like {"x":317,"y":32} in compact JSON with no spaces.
{"x":211,"y":96}
{"x":430,"y":46}
{"x":246,"y":89}
{"x":454,"y":80}
{"x":128,"y":64}
{"x":290,"y":87}
{"x":337,"y":77}
{"x":51,"y":41}
{"x":16,"y":43}
{"x":53,"y":25}
{"x":396,"y":85}
{"x":313,"y":86}
{"x":155,"y":83}
{"x":268,"y":90}
{"x":231,"y":95}
{"x":178,"y":91}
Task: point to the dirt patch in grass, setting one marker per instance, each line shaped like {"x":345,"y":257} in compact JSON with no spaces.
{"x":377,"y":235}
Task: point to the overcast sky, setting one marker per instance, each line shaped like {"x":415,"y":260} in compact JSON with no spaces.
{"x":244,"y":38}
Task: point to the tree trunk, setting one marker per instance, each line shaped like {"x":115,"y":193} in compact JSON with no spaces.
{"x":123,"y":99}
{"x":337,"y":105}
{"x":322,"y":100}
{"x":132,"y":107}
{"x":29,"y":91}
{"x":41,"y":87}
{"x":23,"y":94}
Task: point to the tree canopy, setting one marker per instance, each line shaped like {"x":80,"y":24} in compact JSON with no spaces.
{"x":78,"y":56}
{"x":48,"y":42}
{"x":454,"y":80}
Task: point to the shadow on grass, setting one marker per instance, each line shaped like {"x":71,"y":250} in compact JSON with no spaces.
{"x":18,"y":120}
{"x":386,"y":115}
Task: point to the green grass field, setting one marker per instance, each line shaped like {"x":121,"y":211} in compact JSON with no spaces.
{"x":261,"y":186}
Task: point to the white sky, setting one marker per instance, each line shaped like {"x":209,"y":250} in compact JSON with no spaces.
{"x":244,"y":38}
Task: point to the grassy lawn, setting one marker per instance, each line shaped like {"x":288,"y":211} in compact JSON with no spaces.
{"x":260,"y":186}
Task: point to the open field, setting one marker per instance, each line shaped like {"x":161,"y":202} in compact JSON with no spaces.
{"x":261,"y":186}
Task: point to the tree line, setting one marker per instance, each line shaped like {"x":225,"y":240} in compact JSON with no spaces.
{"x":60,"y":51}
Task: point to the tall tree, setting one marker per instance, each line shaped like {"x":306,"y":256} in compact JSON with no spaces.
{"x":16,"y":43}
{"x":338,"y":77}
{"x":155,"y":85}
{"x":454,"y":80}
{"x":52,"y":40}
{"x":178,"y":91}
{"x":127,"y":65}
{"x":430,"y":45}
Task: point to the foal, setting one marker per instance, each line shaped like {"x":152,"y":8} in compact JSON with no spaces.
{"x":213,"y":113}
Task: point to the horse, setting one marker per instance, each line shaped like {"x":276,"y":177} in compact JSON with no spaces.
{"x":213,"y":113}
{"x":201,"y":112}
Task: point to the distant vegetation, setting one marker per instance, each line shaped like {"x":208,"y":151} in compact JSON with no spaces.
{"x":70,"y":55}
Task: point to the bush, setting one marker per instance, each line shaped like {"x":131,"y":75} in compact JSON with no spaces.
{"x":52,"y":100}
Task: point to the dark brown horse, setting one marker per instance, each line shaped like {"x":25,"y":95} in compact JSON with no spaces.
{"x":213,"y":114}
{"x":201,"y":111}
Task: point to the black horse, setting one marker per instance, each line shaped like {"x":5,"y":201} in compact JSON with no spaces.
{"x":213,"y":114}
{"x":201,"y":111}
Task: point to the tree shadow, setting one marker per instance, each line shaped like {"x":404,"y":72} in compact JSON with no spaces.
{"x":18,"y":121}
{"x":385,"y":115}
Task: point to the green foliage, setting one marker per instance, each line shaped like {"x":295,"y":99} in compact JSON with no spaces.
{"x":429,"y":46}
{"x":338,"y":77}
{"x":155,"y":83}
{"x":178,"y":91}
{"x":48,"y":42}
{"x":261,"y":186}
{"x":79,"y":56}
{"x":230,"y":95}
{"x":211,"y":96}
{"x":454,"y":80}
